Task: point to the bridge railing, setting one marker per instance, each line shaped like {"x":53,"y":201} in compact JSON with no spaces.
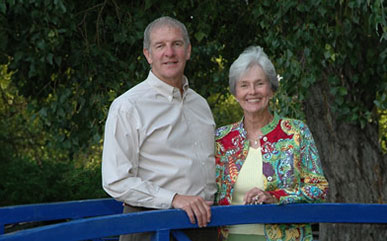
{"x":110,"y":221}
{"x":58,"y":211}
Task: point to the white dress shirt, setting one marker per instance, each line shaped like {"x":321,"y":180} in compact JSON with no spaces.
{"x":157,"y":144}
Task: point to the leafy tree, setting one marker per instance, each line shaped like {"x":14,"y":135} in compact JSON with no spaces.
{"x":31,"y":170}
{"x":70,"y":59}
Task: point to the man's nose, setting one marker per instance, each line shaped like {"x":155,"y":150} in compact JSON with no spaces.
{"x":169,"y":50}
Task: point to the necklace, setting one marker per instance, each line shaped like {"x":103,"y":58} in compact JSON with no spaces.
{"x":255,"y":141}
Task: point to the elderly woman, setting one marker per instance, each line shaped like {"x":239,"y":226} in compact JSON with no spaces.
{"x":265,"y":158}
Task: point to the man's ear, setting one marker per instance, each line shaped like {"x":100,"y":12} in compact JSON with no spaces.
{"x":147,"y":55}
{"x":189,"y":47}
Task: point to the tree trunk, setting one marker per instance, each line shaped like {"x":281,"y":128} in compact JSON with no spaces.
{"x":352,"y":161}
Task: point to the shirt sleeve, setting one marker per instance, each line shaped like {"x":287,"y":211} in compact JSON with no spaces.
{"x":120,"y":162}
{"x":312,"y":185}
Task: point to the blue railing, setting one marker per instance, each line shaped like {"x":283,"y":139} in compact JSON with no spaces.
{"x":110,"y":221}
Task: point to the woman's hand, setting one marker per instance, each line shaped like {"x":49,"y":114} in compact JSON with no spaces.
{"x":258,"y":196}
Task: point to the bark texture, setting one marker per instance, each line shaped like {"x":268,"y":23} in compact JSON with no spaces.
{"x":353,"y":163}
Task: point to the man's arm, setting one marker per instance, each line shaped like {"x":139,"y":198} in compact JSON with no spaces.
{"x":120,"y":167}
{"x":120,"y":163}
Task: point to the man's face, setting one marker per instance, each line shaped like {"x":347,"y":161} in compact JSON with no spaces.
{"x":168,"y":54}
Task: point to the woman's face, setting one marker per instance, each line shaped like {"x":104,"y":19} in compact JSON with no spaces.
{"x":253,"y":91}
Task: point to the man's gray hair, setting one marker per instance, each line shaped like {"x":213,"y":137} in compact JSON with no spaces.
{"x":161,"y":22}
{"x":252,"y":56}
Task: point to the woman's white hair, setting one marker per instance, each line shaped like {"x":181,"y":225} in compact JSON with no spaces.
{"x":252,"y":56}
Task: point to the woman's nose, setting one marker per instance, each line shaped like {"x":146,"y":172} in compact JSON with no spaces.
{"x":252,"y":89}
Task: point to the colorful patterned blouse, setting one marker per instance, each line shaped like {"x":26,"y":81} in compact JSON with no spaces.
{"x":291,"y":169}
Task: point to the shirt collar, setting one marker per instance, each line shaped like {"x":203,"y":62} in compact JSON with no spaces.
{"x":185,"y":84}
{"x":165,"y":89}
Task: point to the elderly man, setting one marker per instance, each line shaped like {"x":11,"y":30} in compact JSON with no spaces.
{"x":159,"y":137}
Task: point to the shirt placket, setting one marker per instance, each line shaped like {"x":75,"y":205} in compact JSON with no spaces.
{"x":196,"y":148}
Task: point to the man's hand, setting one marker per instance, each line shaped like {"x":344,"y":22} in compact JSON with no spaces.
{"x":194,"y":206}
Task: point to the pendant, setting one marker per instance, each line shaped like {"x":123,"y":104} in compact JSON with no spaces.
{"x":255,"y":142}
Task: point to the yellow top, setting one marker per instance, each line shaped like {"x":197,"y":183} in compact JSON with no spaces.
{"x":250,"y":176}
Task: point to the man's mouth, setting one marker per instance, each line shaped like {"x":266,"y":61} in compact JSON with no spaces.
{"x":170,"y":63}
{"x":253,"y":100}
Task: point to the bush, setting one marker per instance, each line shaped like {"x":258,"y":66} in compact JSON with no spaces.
{"x":25,"y":181}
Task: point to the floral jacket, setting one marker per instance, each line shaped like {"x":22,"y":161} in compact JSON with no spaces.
{"x":291,"y":169}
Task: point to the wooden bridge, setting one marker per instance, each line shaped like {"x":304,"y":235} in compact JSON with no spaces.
{"x":102,"y":219}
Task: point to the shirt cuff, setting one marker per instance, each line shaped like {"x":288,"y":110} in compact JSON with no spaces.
{"x":163,"y":199}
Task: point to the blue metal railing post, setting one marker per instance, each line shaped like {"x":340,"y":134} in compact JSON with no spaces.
{"x":180,"y":235}
{"x":161,"y":235}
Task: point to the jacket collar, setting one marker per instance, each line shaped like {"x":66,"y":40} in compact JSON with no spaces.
{"x":265,"y":130}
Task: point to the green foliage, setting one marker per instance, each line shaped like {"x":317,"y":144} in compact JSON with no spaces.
{"x":383,"y":129}
{"x":225,"y":109}
{"x":72,"y":58}
{"x":32,"y":169}
{"x":64,"y":62}
{"x":24,"y":181}
{"x":67,"y":56}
